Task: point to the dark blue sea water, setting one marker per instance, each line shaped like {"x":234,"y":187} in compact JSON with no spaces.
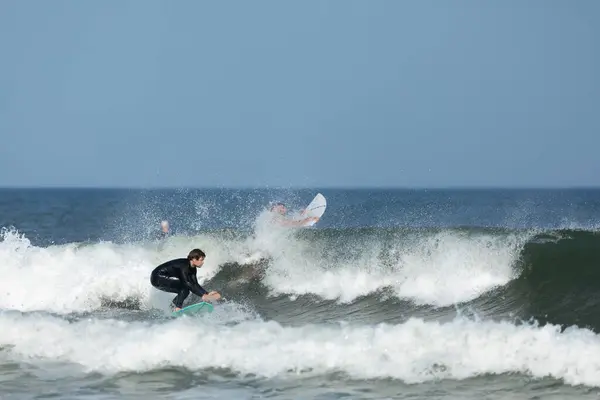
{"x":446,"y":294}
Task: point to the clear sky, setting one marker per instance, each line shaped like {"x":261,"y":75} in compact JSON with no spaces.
{"x":300,"y":93}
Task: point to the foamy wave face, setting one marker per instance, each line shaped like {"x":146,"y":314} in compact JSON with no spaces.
{"x":450,"y":268}
{"x":440,"y":270}
{"x":79,"y":278}
{"x":413,"y":352}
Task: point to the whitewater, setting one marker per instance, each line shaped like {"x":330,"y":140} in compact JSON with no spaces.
{"x":382,"y":309}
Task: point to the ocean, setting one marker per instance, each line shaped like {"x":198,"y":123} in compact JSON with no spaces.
{"x":394,"y":294}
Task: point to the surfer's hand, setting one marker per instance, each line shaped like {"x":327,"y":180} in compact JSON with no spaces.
{"x":211,"y":296}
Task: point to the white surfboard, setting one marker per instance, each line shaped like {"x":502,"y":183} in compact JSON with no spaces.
{"x":316,"y":208}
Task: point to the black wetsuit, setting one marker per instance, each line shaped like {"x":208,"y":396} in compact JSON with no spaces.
{"x":177,"y":276}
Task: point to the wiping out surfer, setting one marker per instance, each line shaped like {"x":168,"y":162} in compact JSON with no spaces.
{"x":279,"y":212}
{"x":164,"y":229}
{"x":163,"y":234}
{"x":179,"y":276}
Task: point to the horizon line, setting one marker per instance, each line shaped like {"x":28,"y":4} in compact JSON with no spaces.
{"x":315,"y":187}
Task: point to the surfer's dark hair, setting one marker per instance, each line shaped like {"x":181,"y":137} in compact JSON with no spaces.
{"x":196,"y":254}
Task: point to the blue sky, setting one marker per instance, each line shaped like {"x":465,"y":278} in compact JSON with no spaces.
{"x":299,"y":93}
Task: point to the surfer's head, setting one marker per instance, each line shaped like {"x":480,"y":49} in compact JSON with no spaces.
{"x":196,"y":257}
{"x":165,"y":226}
{"x":278,"y":208}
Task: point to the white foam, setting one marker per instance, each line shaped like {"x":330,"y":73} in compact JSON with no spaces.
{"x":77,"y":278}
{"x":441,"y":269}
{"x":413,"y":352}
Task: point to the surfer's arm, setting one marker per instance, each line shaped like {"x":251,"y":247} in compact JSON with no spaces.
{"x":291,"y":222}
{"x":212,"y":295}
{"x":192,"y":284}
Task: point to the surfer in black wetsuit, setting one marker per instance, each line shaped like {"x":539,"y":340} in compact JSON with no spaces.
{"x":163,"y":234}
{"x":164,"y":229}
{"x":179,"y":276}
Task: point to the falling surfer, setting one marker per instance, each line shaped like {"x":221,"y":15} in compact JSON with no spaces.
{"x":279,"y":216}
{"x":163,"y":234}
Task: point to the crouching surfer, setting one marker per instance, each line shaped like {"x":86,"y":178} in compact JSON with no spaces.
{"x":179,"y":276}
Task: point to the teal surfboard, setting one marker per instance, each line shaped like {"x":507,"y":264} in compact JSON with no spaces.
{"x":197,"y":308}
